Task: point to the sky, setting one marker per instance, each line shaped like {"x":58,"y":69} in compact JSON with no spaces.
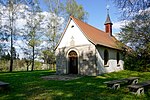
{"x":97,"y":13}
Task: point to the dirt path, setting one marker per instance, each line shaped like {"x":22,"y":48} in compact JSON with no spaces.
{"x":61,"y":77}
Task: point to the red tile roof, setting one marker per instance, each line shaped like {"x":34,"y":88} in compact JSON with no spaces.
{"x":95,"y":35}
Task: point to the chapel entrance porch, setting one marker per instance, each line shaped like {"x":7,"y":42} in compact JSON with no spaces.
{"x":73,"y":63}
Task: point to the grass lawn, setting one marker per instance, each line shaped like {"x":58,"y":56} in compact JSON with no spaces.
{"x":30,"y":86}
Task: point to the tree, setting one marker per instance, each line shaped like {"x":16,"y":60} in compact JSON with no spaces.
{"x":14,"y":53}
{"x":33,"y":29}
{"x":75,"y":10}
{"x":27,"y":62}
{"x":0,"y":51}
{"x":48,"y":57}
{"x":10,"y":13}
{"x":54,"y":26}
{"x":130,"y":8}
{"x":11,"y":6}
{"x":1,"y":35}
{"x":54,"y":29}
{"x":5,"y":57}
{"x":136,"y":34}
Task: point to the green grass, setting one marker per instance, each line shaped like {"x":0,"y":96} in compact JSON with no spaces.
{"x":30,"y":86}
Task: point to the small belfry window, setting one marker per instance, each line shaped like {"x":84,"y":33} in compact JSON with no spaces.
{"x":118,"y":58}
{"x":106,"y":56}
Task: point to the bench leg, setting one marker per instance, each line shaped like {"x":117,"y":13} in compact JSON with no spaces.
{"x":138,"y":91}
{"x":4,"y":87}
{"x":116,"y":86}
{"x":135,"y":81}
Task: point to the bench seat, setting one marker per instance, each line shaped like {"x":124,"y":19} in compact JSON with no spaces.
{"x":3,"y":85}
{"x":139,"y":88}
{"x":115,"y":84}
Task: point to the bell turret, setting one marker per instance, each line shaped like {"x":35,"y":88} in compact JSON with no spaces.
{"x":108,"y":24}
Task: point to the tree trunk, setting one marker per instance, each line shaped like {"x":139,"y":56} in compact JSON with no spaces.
{"x":11,"y":59}
{"x":32,"y":59}
{"x":11,"y":42}
{"x":27,"y":68}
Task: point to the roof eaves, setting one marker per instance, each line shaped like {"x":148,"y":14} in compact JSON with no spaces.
{"x":108,"y":46}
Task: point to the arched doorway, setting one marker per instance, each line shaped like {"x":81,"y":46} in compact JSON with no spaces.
{"x":73,"y":62}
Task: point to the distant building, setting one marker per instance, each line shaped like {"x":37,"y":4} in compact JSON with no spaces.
{"x":86,"y":50}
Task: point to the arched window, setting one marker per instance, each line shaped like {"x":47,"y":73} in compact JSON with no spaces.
{"x":106,"y":57}
{"x":118,"y":57}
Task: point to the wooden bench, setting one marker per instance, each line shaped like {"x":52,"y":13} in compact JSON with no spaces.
{"x":139,"y":88}
{"x":3,"y":85}
{"x":132,"y":80}
{"x":115,"y":84}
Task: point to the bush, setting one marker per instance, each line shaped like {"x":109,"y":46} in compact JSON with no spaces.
{"x":137,"y":63}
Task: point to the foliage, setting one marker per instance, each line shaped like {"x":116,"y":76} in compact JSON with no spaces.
{"x":48,"y":57}
{"x":129,"y":8}
{"x":19,"y":65}
{"x":32,"y":33}
{"x":134,"y":62}
{"x":76,"y":10}
{"x":14,"y":53}
{"x":53,"y":32}
{"x":4,"y":65}
{"x":136,"y":34}
{"x":5,"y":56}
{"x":3,"y":37}
{"x":1,"y":51}
{"x":11,"y":7}
{"x":15,"y":11}
{"x":30,"y":86}
{"x":55,"y":6}
{"x":10,"y":12}
{"x":38,"y":65}
{"x":54,"y":29}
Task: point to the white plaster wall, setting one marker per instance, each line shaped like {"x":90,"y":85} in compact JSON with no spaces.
{"x":73,"y":34}
{"x":112,"y":62}
{"x":100,"y":63}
